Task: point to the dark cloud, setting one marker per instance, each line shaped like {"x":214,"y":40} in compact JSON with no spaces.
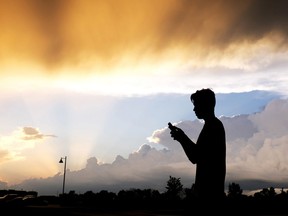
{"x":49,"y":23}
{"x":264,"y":16}
{"x":256,"y":20}
{"x":68,"y":32}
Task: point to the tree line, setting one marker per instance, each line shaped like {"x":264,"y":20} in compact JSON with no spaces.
{"x":174,"y":197}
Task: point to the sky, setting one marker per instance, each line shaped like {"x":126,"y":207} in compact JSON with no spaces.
{"x":98,"y":81}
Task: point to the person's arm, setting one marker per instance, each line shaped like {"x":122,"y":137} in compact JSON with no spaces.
{"x":189,"y":147}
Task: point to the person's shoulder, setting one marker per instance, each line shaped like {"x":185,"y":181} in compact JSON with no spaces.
{"x":218,"y":122}
{"x":216,"y":119}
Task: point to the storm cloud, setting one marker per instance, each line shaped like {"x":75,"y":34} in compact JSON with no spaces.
{"x":106,"y":32}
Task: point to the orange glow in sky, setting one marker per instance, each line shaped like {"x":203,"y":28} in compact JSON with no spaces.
{"x":84,"y":38}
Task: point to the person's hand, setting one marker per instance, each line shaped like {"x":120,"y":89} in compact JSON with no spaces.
{"x":176,"y":133}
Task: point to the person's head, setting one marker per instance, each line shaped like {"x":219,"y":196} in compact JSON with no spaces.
{"x":204,"y":102}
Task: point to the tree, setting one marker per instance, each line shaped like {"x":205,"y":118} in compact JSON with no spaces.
{"x":234,"y":190}
{"x":266,"y":193}
{"x":174,"y":188}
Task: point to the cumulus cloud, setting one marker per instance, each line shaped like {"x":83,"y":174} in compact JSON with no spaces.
{"x":273,"y":120}
{"x":256,"y":157}
{"x":12,"y":145}
{"x":31,"y":133}
{"x":256,"y":143}
{"x":263,"y":154}
{"x":162,"y":136}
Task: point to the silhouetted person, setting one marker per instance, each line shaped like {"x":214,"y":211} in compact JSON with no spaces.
{"x":209,"y":152}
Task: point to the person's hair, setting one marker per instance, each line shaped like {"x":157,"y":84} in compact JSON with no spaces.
{"x":204,"y":97}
